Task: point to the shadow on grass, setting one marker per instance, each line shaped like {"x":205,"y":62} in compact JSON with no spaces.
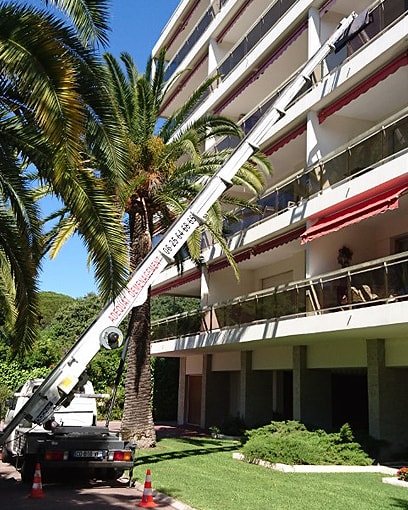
{"x":400,"y":503}
{"x":216,"y":446}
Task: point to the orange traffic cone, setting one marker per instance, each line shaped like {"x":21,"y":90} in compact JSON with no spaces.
{"x":36,"y":491}
{"x":147,"y":498}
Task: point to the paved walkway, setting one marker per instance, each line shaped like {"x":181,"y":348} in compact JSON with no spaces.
{"x":70,"y":495}
{"x":95,"y":495}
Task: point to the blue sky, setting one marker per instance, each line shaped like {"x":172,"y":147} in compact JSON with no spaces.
{"x":136,"y":26}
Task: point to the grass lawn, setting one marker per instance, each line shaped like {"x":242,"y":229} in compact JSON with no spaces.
{"x":202,"y":473}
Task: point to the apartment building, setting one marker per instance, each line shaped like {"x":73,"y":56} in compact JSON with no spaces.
{"x":316,"y":329}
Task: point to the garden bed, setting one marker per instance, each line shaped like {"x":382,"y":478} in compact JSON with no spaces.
{"x":329,"y":468}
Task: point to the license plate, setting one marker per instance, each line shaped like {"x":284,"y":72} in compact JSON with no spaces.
{"x":89,"y":454}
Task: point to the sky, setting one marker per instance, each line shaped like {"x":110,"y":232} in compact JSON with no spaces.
{"x":136,"y":27}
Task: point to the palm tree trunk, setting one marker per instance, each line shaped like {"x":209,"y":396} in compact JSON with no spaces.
{"x":137,"y":421}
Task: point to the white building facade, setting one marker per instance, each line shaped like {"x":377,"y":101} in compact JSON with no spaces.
{"x":317,"y":327}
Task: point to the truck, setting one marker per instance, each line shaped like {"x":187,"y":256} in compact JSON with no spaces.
{"x":40,"y":407}
{"x":70,"y":441}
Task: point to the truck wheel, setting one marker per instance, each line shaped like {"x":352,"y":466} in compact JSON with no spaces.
{"x":5,"y":455}
{"x":114,"y":474}
{"x":108,"y":474}
{"x":27,"y":469}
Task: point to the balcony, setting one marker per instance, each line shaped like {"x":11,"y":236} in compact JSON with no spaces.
{"x":371,"y":149}
{"x":371,"y":284}
{"x":361,"y":155}
{"x":381,"y":17}
{"x":194,"y":36}
{"x":256,"y":34}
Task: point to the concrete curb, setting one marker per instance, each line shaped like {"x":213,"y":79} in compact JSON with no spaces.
{"x":161,"y":498}
{"x":395,"y":481}
{"x":286,"y":468}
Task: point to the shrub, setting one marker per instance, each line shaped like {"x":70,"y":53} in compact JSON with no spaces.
{"x":233,"y":426}
{"x":289,"y":442}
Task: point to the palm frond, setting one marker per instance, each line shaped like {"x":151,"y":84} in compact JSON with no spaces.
{"x":157,"y":81}
{"x":208,"y":126}
{"x":179,"y":117}
{"x":90,"y":17}
{"x":98,"y":222}
{"x":59,"y":235}
{"x":21,"y":284}
{"x":120,"y":87}
{"x":31,"y":51}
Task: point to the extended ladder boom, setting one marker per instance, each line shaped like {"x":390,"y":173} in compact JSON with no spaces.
{"x":65,"y":376}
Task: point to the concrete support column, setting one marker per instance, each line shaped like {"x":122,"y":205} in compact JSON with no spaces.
{"x":181,"y":405}
{"x":276,"y":400}
{"x":299,"y":371}
{"x":313,"y":149}
{"x":215,"y":402}
{"x":204,"y":384}
{"x":387,"y":400}
{"x":256,"y":393}
{"x":246,"y":363}
{"x":375,"y":381}
{"x":313,"y":32}
{"x":205,"y":283}
{"x":215,"y":55}
{"x":311,"y":392}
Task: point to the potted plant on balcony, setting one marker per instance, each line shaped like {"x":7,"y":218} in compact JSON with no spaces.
{"x":344,"y":256}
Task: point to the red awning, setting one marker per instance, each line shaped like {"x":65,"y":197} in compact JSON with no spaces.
{"x":238,"y":14}
{"x":182,"y":24}
{"x":362,"y":88}
{"x":278,"y":241}
{"x":258,"y":249}
{"x":286,"y":139}
{"x":387,"y":200}
{"x":194,"y":275}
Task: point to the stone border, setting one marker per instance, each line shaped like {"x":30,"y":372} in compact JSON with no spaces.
{"x":286,"y":468}
{"x":162,"y":499}
{"x":395,"y":481}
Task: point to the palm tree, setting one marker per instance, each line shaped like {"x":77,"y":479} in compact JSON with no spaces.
{"x":168,"y":166}
{"x":53,"y":122}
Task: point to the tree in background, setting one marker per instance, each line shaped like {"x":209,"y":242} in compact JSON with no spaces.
{"x":165,"y":306}
{"x":49,"y":304}
{"x":65,"y":319}
{"x":168,"y":165}
{"x":64,"y":326}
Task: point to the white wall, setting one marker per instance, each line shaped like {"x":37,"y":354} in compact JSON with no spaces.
{"x":369,"y":239}
{"x":194,"y":365}
{"x":323,"y":251}
{"x":342,"y":353}
{"x":272,"y":358}
{"x":396,"y":352}
{"x":337,"y":354}
{"x":295,"y":263}
{"x":226,"y":361}
{"x":336,"y":131}
{"x":223,"y":285}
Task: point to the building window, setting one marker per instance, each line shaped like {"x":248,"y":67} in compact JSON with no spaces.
{"x":400,"y":244}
